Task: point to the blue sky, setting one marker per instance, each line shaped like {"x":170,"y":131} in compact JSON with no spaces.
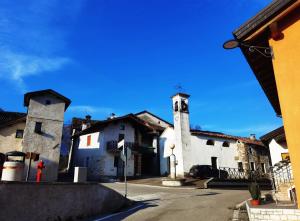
{"x":125,"y":56}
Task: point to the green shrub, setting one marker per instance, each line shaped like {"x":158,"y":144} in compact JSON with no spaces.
{"x":254,"y":190}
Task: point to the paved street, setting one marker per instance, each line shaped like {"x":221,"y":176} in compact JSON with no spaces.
{"x":158,"y":203}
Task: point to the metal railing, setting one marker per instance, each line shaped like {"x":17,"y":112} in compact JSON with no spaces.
{"x":241,"y":174}
{"x":112,"y":146}
{"x":282,"y":173}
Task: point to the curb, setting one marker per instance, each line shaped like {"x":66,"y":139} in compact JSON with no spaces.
{"x":162,"y":187}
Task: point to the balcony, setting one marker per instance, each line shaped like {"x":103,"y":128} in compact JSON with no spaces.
{"x":112,"y":147}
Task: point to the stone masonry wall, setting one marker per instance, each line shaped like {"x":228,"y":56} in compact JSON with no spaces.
{"x":270,"y":214}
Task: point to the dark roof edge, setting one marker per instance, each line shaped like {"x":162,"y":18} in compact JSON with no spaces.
{"x":28,"y":95}
{"x":145,"y":111}
{"x":273,"y":134}
{"x":14,"y":121}
{"x":260,"y":19}
{"x":93,"y":128}
{"x":182,"y":95}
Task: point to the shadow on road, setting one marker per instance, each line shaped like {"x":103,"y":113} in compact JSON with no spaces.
{"x":137,"y":206}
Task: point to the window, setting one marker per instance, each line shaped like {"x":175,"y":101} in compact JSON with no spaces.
{"x":176,"y":106}
{"x":184,"y":106}
{"x":88,"y":140}
{"x":116,"y":160}
{"x":122,"y":127}
{"x":38,"y":127}
{"x":263,"y":167}
{"x":252,"y":166}
{"x":214,"y":162}
{"x":19,"y":133}
{"x":250,"y":150}
{"x":47,"y":102}
{"x":121,"y":137}
{"x":225,"y":144}
{"x":210,"y":142}
{"x":240,"y":166}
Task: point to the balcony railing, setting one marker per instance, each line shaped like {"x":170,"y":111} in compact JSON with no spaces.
{"x":112,"y":147}
{"x":241,"y":174}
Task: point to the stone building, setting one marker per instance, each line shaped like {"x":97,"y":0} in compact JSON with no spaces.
{"x":12,"y":125}
{"x":39,"y":131}
{"x":197,"y":147}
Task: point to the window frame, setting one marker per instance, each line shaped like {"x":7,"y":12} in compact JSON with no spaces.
{"x":19,"y":131}
{"x":212,"y":142}
{"x":252,"y":163}
{"x":88,"y":140}
{"x":38,"y":127}
{"x":240,"y":168}
{"x":227,"y":143}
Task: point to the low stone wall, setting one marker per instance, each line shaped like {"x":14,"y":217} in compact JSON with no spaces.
{"x":56,"y":201}
{"x":259,"y":213}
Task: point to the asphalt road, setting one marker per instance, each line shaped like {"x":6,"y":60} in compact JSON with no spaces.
{"x":168,"y":204}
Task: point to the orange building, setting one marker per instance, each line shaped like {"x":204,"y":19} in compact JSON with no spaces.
{"x":270,"y":41}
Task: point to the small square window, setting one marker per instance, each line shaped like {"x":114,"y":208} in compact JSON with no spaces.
{"x":122,"y":127}
{"x":38,"y":127}
{"x":47,"y":102}
{"x":19,"y":133}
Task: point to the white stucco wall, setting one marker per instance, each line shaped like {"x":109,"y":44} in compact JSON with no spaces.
{"x":200,"y":153}
{"x":276,"y":150}
{"x":165,"y":141}
{"x":101,"y":162}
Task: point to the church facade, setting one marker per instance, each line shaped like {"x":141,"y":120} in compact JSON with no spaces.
{"x":198,"y":147}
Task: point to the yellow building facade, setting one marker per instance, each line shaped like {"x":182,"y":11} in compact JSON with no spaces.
{"x":286,"y":64}
{"x":277,"y":27}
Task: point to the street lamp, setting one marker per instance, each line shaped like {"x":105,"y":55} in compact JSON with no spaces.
{"x":265,"y":51}
{"x":172,"y":163}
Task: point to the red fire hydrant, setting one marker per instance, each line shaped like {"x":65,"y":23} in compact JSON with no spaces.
{"x":40,"y":167}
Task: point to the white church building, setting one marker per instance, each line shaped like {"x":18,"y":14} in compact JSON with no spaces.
{"x":198,"y":147}
{"x":95,"y":145}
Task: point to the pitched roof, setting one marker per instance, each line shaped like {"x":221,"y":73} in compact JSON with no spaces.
{"x":129,"y":117}
{"x":277,"y":134}
{"x":8,"y":118}
{"x":147,"y":112}
{"x":226,"y":136}
{"x":182,"y":95}
{"x":262,"y":66}
{"x":261,"y":18}
{"x":29,"y":95}
{"x":77,"y":122}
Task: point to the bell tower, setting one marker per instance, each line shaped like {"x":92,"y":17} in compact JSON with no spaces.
{"x":182,"y":132}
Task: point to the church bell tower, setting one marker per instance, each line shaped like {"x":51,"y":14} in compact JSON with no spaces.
{"x":182,"y":132}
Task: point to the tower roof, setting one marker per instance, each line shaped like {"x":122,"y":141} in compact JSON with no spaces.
{"x":30,"y":95}
{"x":181,"y":95}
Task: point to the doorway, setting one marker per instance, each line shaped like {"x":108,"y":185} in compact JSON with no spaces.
{"x":214,"y":163}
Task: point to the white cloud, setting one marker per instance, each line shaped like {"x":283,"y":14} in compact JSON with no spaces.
{"x":87,"y":109}
{"x":17,"y":66}
{"x":31,"y":42}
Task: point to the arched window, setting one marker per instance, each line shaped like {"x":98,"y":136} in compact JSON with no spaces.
{"x":176,"y":106}
{"x":225,"y":144}
{"x":184,"y":106}
{"x":210,"y":142}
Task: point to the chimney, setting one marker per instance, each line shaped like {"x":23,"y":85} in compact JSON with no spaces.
{"x":86,"y":123}
{"x":112,"y":116}
{"x":252,"y":137}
